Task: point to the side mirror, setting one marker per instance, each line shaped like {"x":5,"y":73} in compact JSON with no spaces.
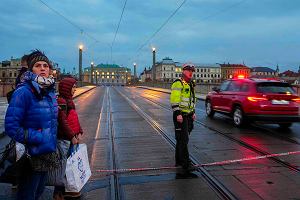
{"x":216,"y":89}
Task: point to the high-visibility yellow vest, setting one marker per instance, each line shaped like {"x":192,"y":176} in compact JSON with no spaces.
{"x":183,"y":97}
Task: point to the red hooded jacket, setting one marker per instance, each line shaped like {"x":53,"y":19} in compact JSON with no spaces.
{"x":68,"y":122}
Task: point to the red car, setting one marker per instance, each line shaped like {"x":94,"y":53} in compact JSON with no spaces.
{"x":267,"y":101}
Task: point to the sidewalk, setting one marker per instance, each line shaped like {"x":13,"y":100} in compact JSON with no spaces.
{"x":3,"y":104}
{"x":168,"y":91}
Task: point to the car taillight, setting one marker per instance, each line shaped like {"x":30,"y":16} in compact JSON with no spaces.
{"x":296,"y":100}
{"x":255,"y":99}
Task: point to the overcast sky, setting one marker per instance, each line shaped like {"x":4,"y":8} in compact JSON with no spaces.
{"x":256,"y":32}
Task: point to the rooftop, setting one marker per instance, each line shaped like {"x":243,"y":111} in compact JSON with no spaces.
{"x":262,"y":69}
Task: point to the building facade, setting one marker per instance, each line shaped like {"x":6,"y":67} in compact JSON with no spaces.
{"x":167,"y":71}
{"x":264,"y":72}
{"x":234,"y":70}
{"x":291,"y":77}
{"x":107,"y":74}
{"x":146,"y":75}
{"x":9,"y":70}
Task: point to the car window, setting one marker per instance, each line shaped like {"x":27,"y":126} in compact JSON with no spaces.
{"x":234,"y":86}
{"x":245,"y":87}
{"x":224,"y":86}
{"x":274,"y":87}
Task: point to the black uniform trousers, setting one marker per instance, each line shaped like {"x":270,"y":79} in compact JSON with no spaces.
{"x":182,"y":132}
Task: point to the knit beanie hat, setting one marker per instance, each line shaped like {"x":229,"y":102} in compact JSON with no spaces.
{"x":35,"y":57}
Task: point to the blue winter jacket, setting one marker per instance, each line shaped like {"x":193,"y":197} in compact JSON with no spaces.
{"x":31,"y":118}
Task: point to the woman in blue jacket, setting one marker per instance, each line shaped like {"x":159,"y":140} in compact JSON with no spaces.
{"x":31,"y":119}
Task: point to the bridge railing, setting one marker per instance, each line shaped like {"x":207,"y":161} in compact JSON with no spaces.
{"x":200,"y":88}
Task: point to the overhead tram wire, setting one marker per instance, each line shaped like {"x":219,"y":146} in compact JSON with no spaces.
{"x":204,"y":18}
{"x":160,"y":28}
{"x":69,"y":21}
{"x":117,"y":30}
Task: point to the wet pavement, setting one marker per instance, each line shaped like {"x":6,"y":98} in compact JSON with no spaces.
{"x":123,"y":129}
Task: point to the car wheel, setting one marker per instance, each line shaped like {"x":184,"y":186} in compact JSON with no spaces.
{"x":209,"y":110}
{"x":285,"y":125}
{"x":238,"y":116}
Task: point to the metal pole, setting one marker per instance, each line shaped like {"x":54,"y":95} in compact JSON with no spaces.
{"x":153,"y":65}
{"x":92,"y":70}
{"x":80,"y":64}
{"x":134,"y":68}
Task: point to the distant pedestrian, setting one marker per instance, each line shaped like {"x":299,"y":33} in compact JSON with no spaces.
{"x":31,"y":119}
{"x":69,"y":127}
{"x":24,"y":68}
{"x":183,"y":104}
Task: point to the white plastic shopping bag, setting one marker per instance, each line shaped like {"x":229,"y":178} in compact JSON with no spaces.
{"x":20,"y":150}
{"x":78,"y":169}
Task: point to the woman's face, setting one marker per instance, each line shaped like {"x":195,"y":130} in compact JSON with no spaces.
{"x":73,"y":89}
{"x":41,"y":68}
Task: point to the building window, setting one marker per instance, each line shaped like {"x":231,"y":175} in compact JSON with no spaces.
{"x":164,"y":75}
{"x":15,"y":74}
{"x":10,"y":74}
{"x":3,"y":74}
{"x":197,"y":70}
{"x":201,"y":70}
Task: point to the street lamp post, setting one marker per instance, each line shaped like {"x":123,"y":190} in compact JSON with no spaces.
{"x":126,"y":77}
{"x":92,"y":70}
{"x":153,"y":64}
{"x":97,"y":73}
{"x":134,"y":70}
{"x":80,"y":63}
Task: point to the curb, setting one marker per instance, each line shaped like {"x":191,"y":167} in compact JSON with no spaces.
{"x":84,"y":92}
{"x":2,"y":134}
{"x":201,"y":99}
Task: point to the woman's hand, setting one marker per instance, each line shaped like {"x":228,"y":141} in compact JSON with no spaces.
{"x":74,"y":140}
{"x":79,"y":138}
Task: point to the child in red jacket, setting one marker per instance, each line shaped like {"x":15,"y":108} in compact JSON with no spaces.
{"x":68,"y":124}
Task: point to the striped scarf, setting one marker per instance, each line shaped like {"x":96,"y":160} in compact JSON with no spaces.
{"x":42,"y":81}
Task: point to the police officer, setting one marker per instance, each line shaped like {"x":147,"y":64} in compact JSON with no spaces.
{"x":183,"y":104}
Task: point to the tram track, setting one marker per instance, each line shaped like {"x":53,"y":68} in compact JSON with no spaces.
{"x":115,"y":190}
{"x":217,"y":186}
